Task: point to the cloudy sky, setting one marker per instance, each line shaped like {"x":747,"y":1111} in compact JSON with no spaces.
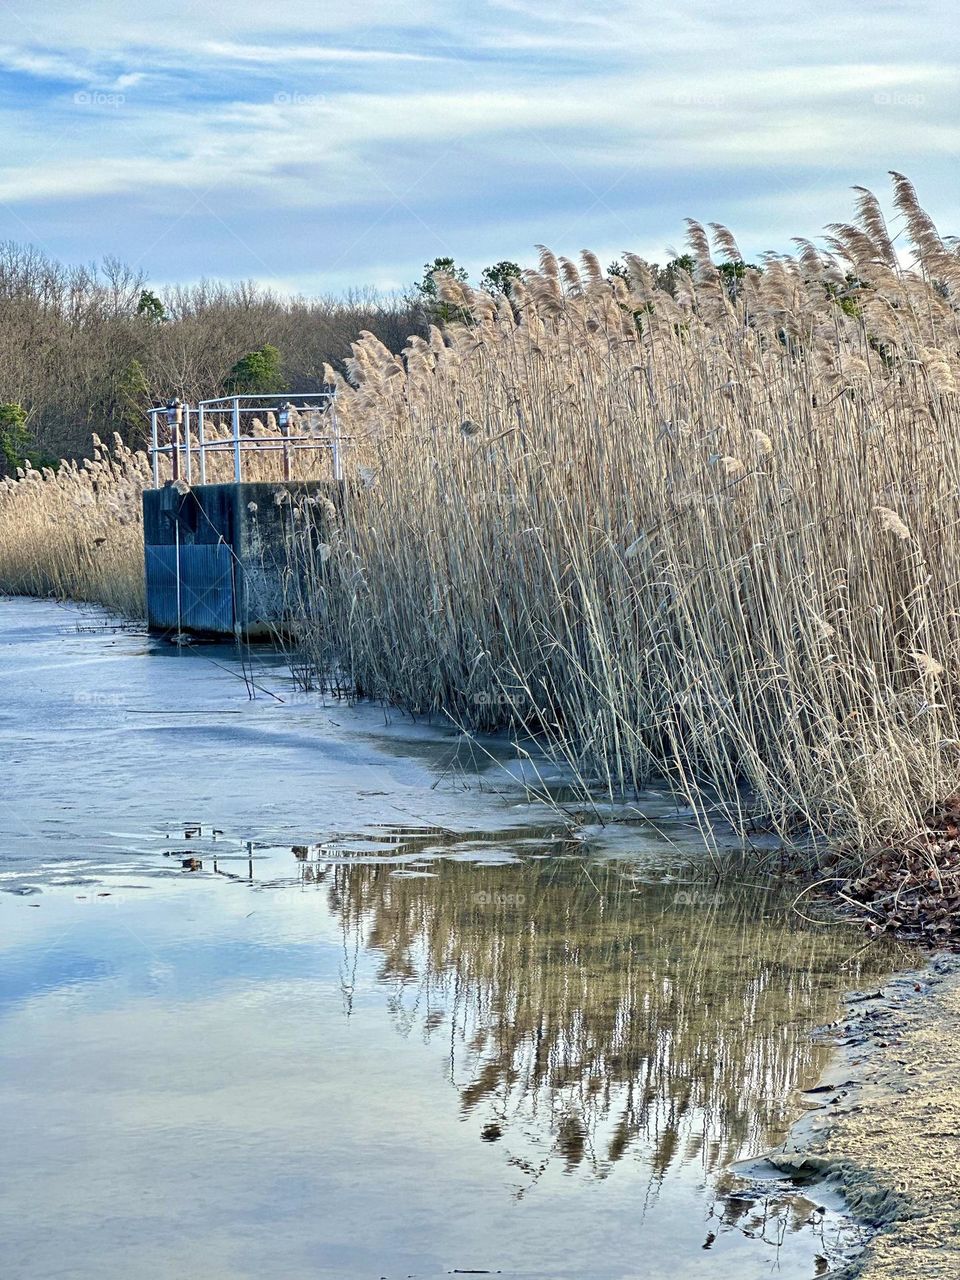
{"x":314,"y":146}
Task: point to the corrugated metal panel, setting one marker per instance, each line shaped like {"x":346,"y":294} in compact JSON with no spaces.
{"x":161,"y":564}
{"x":206,"y":588}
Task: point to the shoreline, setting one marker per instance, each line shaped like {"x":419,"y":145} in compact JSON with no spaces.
{"x":883,"y":1127}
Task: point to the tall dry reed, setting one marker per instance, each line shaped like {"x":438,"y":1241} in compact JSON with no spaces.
{"x":709,"y":536}
{"x":77,"y":532}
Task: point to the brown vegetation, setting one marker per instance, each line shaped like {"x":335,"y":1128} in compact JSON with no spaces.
{"x":912,"y":888}
{"x":709,"y":536}
{"x":89,"y":349}
{"x":706,"y":534}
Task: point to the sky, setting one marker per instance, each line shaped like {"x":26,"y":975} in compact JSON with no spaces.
{"x":315,"y":147}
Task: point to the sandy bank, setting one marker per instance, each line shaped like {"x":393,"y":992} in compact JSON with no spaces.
{"x":887,"y":1130}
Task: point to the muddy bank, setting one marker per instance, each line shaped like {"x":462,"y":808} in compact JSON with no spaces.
{"x":884,"y":1126}
{"x":913,"y":891}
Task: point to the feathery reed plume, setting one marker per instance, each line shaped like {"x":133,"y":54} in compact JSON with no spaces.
{"x":893,"y":524}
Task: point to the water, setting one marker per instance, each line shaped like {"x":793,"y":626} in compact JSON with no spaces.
{"x":413,"y":1027}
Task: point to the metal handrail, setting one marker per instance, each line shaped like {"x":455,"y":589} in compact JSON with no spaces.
{"x":300,"y":395}
{"x":181,"y":449}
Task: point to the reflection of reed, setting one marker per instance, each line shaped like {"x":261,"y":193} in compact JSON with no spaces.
{"x":593,"y":1019}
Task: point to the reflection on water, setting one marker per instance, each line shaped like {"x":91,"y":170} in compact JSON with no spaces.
{"x":411,"y":1054}
{"x":590,"y":1018}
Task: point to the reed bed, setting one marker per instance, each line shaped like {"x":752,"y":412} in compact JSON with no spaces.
{"x":704,"y":534}
{"x":708,"y":536}
{"x":77,"y":532}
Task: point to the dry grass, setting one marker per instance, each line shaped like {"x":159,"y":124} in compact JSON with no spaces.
{"x":692,"y":536}
{"x":77,"y":533}
{"x":705,"y":538}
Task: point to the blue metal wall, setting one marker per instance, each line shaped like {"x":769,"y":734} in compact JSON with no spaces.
{"x":207,"y":597}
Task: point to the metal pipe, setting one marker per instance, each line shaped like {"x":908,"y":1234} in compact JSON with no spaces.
{"x":303,"y":395}
{"x":283,"y":419}
{"x":154,"y":447}
{"x":236,"y":440}
{"x":186,"y":438}
{"x":174,"y":418}
{"x":202,"y":446}
{"x":176,"y":536}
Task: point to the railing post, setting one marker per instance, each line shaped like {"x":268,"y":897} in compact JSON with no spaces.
{"x":283,"y":418}
{"x":201,"y":445}
{"x":186,"y":438}
{"x":155,"y":448}
{"x":174,"y":418}
{"x":236,"y":439}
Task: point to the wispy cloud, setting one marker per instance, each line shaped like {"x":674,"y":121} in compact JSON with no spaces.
{"x":352,"y":146}
{"x":285,"y":55}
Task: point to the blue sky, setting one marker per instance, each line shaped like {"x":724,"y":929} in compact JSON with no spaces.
{"x":317,"y":146}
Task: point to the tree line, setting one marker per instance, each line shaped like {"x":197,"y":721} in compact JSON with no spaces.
{"x":86,"y":349}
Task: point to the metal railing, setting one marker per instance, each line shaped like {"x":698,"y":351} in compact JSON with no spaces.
{"x":185,"y":427}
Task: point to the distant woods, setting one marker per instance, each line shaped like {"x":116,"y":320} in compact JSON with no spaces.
{"x":88,"y":349}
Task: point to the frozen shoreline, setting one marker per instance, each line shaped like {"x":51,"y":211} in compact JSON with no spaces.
{"x":96,"y":737}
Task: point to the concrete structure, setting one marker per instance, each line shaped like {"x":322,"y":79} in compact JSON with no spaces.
{"x":217,"y":557}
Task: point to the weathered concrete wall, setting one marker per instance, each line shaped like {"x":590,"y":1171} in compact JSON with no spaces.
{"x":217,"y":557}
